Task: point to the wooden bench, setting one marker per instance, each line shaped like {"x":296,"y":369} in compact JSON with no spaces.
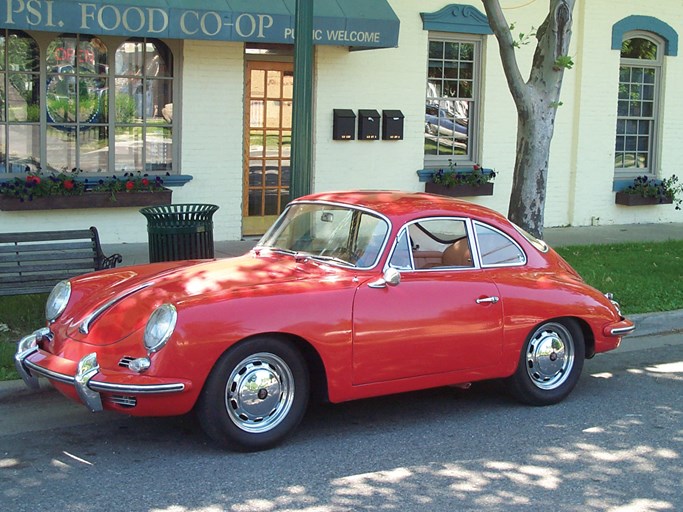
{"x":35,"y":262}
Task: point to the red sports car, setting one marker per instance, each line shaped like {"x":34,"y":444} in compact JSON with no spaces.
{"x":349,"y":295}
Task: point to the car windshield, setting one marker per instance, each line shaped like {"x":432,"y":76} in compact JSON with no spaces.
{"x":332,"y":233}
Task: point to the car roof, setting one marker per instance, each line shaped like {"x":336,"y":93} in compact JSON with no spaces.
{"x":407,"y":204}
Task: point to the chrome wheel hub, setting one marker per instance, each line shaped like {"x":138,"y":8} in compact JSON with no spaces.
{"x":259,"y":393}
{"x":550,"y":356}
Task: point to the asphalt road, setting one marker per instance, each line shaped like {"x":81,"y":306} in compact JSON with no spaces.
{"x":615,"y":445}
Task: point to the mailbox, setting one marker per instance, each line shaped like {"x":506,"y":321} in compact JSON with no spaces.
{"x":368,"y":125}
{"x":392,"y":125}
{"x":344,"y":124}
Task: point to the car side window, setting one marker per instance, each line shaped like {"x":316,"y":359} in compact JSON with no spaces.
{"x":400,"y":258}
{"x":496,"y":248}
{"x":433,"y":244}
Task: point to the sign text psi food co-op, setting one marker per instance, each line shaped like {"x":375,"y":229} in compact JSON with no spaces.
{"x":100,"y":18}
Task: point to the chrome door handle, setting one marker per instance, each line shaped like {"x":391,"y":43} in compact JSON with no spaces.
{"x":485,"y":300}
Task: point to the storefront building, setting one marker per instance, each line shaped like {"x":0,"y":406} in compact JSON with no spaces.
{"x":202,"y":97}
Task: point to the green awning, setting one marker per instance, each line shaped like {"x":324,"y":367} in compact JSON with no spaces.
{"x":355,"y":23}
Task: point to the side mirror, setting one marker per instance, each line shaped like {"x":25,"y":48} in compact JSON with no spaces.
{"x":391,"y":277}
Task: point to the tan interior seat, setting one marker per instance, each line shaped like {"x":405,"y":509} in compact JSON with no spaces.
{"x":457,"y":254}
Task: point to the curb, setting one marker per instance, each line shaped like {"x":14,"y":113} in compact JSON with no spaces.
{"x":647,"y":324}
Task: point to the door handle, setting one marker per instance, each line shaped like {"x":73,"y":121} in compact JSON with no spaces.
{"x":485,"y":300}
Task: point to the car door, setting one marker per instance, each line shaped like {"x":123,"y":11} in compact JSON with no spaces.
{"x":437,"y":319}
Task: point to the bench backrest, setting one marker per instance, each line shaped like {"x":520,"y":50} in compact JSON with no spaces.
{"x":35,"y":262}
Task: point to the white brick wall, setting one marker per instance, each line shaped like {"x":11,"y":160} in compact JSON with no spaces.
{"x":210,"y":113}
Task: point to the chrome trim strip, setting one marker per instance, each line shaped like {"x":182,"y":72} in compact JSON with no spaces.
{"x":141,"y":389}
{"x":60,"y":377}
{"x":85,"y":326}
{"x":621,"y":331}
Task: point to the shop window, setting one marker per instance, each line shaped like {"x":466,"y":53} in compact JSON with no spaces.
{"x":640,"y":72}
{"x":144,"y":106}
{"x":100,"y":111}
{"x":19,"y":102}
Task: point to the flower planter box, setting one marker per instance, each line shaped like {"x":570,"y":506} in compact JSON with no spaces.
{"x":88,"y":200}
{"x":462,"y":190}
{"x":637,"y":200}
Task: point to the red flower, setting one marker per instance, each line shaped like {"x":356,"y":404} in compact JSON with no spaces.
{"x":476,"y":167}
{"x":35,"y":180}
{"x":68,"y":184}
{"x":145,"y":182}
{"x":130,"y":185}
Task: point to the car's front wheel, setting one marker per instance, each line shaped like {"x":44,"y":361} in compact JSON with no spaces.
{"x":255,"y":396}
{"x":550,"y":363}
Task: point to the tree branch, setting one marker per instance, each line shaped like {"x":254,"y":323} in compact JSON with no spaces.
{"x":501,"y":29}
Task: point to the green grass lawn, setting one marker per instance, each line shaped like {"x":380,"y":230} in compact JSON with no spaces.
{"x":644,"y":277}
{"x":19,"y":315}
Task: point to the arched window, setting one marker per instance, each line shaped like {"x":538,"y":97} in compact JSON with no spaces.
{"x":98,"y":111}
{"x":77,"y":134}
{"x":19,"y":102}
{"x":640,"y":72}
{"x":144,"y":106}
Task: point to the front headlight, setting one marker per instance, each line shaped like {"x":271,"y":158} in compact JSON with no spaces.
{"x":160,"y":326}
{"x":57,"y":301}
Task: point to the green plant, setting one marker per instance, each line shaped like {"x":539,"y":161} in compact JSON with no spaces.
{"x":563,"y":62}
{"x":476,"y":177}
{"x":667,"y":189}
{"x":68,"y":183}
{"x":129,"y":183}
{"x":523,"y":38}
{"x":36,"y":184}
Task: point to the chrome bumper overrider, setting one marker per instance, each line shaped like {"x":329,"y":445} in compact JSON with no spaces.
{"x":88,"y":389}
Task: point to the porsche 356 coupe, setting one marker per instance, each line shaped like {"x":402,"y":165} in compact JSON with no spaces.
{"x":349,"y":295}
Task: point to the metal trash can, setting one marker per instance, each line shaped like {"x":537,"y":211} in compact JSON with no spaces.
{"x":180,"y":231}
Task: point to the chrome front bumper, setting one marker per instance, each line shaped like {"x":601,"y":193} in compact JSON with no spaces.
{"x":88,"y":389}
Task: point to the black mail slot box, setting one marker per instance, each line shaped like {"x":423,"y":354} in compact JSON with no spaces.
{"x":343,"y":124}
{"x":392,"y":125}
{"x":368,"y":125}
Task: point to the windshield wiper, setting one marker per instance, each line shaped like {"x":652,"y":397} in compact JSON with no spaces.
{"x":330,"y":258}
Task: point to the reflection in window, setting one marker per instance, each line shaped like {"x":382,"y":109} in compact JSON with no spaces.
{"x":144,"y":106}
{"x":637,"y":105}
{"x":98,"y":111}
{"x":76,"y":104}
{"x":451,"y":99}
{"x":19,"y":102}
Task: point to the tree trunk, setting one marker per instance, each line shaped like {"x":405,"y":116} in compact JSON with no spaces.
{"x":537,"y":101}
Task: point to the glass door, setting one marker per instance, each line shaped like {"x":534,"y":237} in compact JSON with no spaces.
{"x":268,"y":142}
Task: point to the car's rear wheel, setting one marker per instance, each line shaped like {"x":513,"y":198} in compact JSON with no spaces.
{"x":255,"y":396}
{"x":550,"y":363}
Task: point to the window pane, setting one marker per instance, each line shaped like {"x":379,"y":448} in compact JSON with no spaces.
{"x":128,"y":100}
{"x":496,"y":248}
{"x":159,"y":156}
{"x":22,"y":52}
{"x":94,"y":149}
{"x":159,"y":94}
{"x":23,"y":147}
{"x":435,"y":50}
{"x":638,"y":48}
{"x":61,"y":147}
{"x":23,"y":101}
{"x":129,"y":149}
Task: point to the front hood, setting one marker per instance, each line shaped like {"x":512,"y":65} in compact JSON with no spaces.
{"x":110,"y":305}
